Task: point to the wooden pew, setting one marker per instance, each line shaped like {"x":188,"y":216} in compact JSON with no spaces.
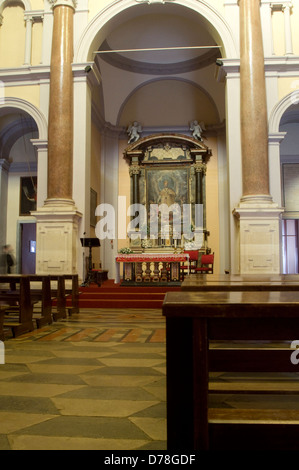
{"x":27,"y":295}
{"x":42,"y":295}
{"x":193,"y":321}
{"x":61,"y":294}
{"x":59,"y":298}
{"x":38,"y":294}
{"x":2,"y":313}
{"x":24,"y":301}
{"x":228,"y":282}
{"x":74,"y":292}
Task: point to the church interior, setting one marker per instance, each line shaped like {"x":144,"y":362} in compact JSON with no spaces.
{"x":149,"y":194}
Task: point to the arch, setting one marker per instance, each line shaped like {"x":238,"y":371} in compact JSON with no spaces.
{"x":30,"y":109}
{"x":5,"y":3}
{"x":142,"y":85}
{"x":92,"y":34}
{"x":280,"y":108}
{"x":13,"y":131}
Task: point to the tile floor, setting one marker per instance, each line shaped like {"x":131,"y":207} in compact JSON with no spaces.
{"x":95,"y":381}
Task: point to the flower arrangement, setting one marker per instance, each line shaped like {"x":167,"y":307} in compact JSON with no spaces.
{"x":125,"y":251}
{"x":146,"y":243}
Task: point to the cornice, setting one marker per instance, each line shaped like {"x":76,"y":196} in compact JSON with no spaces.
{"x":274,"y":66}
{"x":27,"y":75}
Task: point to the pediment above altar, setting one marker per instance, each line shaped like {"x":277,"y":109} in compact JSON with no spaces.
{"x":159,"y":148}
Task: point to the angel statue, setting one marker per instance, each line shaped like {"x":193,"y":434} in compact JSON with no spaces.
{"x":197,"y":129}
{"x":133,"y":131}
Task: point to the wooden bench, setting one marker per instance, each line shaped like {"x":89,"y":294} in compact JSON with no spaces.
{"x":196,"y":319}
{"x":227,"y":282}
{"x":73,"y":292}
{"x":61,"y":294}
{"x":2,"y":313}
{"x":21,"y":300}
{"x":42,"y":295}
{"x":47,"y":295}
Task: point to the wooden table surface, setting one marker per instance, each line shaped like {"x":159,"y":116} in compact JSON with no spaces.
{"x":193,"y":319}
{"x":214,"y":282}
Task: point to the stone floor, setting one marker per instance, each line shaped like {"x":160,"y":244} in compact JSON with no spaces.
{"x":95,"y":381}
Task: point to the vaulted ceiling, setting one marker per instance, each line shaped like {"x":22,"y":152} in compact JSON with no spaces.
{"x":160,"y":88}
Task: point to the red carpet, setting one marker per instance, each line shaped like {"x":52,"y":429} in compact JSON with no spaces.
{"x":111,"y":295}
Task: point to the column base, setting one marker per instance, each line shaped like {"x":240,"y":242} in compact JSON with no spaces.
{"x":259,"y":234}
{"x":57,"y":237}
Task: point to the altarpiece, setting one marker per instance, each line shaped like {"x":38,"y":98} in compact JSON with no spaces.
{"x":170,"y":170}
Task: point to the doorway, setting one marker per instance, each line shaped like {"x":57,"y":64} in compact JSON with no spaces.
{"x":290,"y":231}
{"x":28,"y":248}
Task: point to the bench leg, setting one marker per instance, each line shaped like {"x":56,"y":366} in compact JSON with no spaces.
{"x":20,"y":329}
{"x":61,"y":300}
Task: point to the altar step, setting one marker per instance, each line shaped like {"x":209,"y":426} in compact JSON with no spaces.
{"x":111,"y":295}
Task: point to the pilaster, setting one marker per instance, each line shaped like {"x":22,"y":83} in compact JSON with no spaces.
{"x":4,"y":169}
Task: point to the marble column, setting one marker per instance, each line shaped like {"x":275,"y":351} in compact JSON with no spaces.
{"x":60,"y":153}
{"x":58,"y":220}
{"x":254,"y":131}
{"x":259,"y":217}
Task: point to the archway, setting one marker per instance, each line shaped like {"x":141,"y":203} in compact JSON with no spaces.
{"x":21,"y":126}
{"x":284,"y":126}
{"x":95,"y":32}
{"x":124,"y":78}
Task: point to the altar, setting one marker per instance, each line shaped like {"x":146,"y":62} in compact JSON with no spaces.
{"x":167,"y":209}
{"x":150,"y":268}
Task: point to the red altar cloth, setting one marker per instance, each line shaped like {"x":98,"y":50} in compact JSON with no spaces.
{"x":148,"y":258}
{"x":152,"y":257}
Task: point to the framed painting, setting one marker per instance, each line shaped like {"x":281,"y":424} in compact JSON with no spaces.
{"x":28,"y":194}
{"x":167,"y":186}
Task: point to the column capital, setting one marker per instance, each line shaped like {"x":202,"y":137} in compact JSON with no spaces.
{"x":40,"y":144}
{"x":200,"y":168}
{"x":287,"y":6}
{"x":239,"y":1}
{"x":59,"y":3}
{"x":4,"y":164}
{"x":34,"y":15}
{"x":134,"y":170}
